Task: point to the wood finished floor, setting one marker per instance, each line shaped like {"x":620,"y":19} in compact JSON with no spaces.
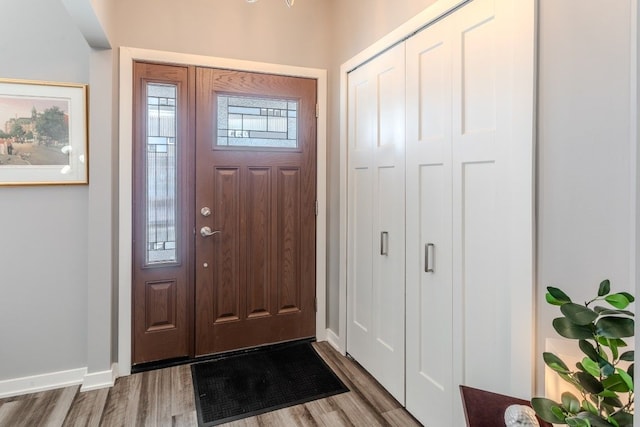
{"x":165,"y":397}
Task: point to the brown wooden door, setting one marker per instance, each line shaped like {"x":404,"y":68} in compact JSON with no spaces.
{"x":256,"y":173}
{"x":252,"y":283}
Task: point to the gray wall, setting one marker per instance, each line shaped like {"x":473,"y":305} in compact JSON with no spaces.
{"x":586,"y":175}
{"x":266,"y":31}
{"x":43,"y":237}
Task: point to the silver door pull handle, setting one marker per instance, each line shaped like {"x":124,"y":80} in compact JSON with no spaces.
{"x":206,"y":231}
{"x":429,"y":257}
{"x":384,"y":243}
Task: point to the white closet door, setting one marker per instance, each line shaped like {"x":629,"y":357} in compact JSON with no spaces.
{"x":493,"y":185}
{"x":470,"y":321}
{"x":430,"y":306}
{"x":376,"y":244}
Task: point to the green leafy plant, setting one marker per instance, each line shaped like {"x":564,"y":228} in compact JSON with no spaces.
{"x":604,"y":377}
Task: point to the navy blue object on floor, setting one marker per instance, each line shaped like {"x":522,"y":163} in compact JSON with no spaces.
{"x":259,"y":381}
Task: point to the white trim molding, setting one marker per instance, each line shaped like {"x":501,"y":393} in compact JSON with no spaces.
{"x":127,"y":56}
{"x":334,"y":340}
{"x":42,"y":382}
{"x":98,"y":380}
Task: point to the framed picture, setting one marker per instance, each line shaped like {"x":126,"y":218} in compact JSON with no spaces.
{"x":43,"y":133}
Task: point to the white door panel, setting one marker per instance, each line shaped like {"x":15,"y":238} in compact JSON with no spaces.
{"x":430,"y":388}
{"x":461,"y":153}
{"x":375,"y":276}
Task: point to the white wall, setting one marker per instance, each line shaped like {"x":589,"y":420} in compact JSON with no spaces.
{"x":586,"y":168}
{"x":43,"y":232}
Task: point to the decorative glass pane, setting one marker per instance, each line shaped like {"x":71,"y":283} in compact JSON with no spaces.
{"x":161,"y":180}
{"x":257,"y":122}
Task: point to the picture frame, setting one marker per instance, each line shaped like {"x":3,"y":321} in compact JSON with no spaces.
{"x":43,"y":133}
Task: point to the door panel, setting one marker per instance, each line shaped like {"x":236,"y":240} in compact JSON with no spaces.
{"x":258,"y":240}
{"x":162,"y":199}
{"x":375,"y":275}
{"x":469,"y":193}
{"x":430,"y":305}
{"x":289,"y":244}
{"x":226,"y":298}
{"x":255,"y":277}
{"x":480,"y":174}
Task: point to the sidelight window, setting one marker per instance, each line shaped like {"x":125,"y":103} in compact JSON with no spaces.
{"x":161,"y":183}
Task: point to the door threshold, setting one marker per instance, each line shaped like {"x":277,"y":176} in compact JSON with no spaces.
{"x":168,"y":363}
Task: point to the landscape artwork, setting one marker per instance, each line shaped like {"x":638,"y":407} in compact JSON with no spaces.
{"x":43,"y":133}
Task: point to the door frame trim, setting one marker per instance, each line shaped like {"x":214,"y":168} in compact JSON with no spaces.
{"x":125,"y":178}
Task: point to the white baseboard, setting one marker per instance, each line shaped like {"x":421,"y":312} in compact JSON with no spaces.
{"x":334,"y":340}
{"x":36,"y":383}
{"x":97,"y":380}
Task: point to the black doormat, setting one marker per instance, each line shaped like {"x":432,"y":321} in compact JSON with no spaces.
{"x":244,"y":385}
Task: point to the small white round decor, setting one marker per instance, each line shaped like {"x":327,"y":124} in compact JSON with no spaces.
{"x":520,"y":416}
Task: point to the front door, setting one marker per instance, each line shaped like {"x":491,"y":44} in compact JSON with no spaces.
{"x":251,"y":191}
{"x":255,"y":209}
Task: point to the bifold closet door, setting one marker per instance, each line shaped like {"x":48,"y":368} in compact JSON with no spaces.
{"x":430,"y":307}
{"x":469,"y":208}
{"x":376,"y":233}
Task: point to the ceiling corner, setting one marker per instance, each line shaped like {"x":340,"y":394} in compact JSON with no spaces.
{"x":85,"y":14}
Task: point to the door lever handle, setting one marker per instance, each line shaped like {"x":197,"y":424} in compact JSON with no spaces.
{"x":206,"y":231}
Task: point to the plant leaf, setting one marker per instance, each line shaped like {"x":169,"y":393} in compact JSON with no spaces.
{"x":570,"y":402}
{"x":613,"y":401}
{"x":607,"y":393}
{"x":605,"y":288}
{"x":624,"y":419}
{"x":614,"y":327}
{"x":619,"y":301}
{"x":589,"y":382}
{"x":588,"y":406}
{"x":557,"y":296}
{"x":608,"y":342}
{"x":615,"y":383}
{"x":628,"y":296}
{"x":626,"y":378}
{"x":565,"y":328}
{"x":568,"y":378}
{"x":577,"y":422}
{"x":558,"y":412}
{"x":614,"y":349}
{"x":555,"y":363}
{"x":610,"y":312}
{"x":590,"y":366}
{"x":613,"y":422}
{"x":588,"y":349}
{"x":594,"y":419}
{"x":578,"y":314}
{"x":606,"y":368}
{"x":543,"y":408}
{"x":627,"y":356}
